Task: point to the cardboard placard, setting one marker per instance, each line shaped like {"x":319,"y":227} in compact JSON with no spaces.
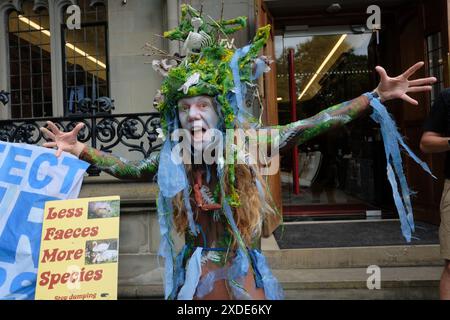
{"x":79,"y":250}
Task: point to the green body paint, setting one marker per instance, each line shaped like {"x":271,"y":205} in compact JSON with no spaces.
{"x":121,"y":168}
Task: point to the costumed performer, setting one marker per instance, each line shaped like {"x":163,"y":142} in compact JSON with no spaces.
{"x":220,"y":207}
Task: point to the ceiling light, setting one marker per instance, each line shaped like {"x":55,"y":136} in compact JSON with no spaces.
{"x":36,"y":26}
{"x":332,"y":52}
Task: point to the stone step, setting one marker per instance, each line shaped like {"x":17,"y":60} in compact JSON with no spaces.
{"x":402,"y":283}
{"x":354,"y":257}
{"x":407,"y":272}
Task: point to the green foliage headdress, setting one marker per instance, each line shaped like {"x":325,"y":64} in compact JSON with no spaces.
{"x":211,"y":66}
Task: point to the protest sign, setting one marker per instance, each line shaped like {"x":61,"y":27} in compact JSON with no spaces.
{"x":79,"y":250}
{"x":29,"y":177}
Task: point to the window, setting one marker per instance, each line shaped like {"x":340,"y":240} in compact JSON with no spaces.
{"x":435,"y":63}
{"x":30,"y":66}
{"x":85,"y":57}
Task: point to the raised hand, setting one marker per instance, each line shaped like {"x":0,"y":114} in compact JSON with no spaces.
{"x":399,"y":87}
{"x":63,"y":141}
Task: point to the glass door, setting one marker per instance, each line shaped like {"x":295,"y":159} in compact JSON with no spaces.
{"x":338,"y":171}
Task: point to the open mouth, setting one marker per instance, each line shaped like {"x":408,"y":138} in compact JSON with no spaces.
{"x":198,"y":133}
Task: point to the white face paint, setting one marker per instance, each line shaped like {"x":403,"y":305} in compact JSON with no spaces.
{"x":198,"y":115}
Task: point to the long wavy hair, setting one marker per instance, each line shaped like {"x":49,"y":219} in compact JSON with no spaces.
{"x":248,"y":216}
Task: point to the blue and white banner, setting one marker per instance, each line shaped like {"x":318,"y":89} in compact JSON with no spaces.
{"x":29,"y":177}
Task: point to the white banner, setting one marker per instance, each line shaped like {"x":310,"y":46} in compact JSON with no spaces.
{"x":29,"y":177}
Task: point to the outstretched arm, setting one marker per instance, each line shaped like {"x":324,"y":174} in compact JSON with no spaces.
{"x":121,"y":168}
{"x":389,"y":88}
{"x":143,"y":170}
{"x":299,"y":132}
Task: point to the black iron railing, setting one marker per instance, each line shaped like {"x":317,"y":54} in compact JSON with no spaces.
{"x":134,"y":132}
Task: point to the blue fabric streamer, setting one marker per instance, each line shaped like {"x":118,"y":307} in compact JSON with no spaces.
{"x":171,"y":176}
{"x":193,"y":273}
{"x":272,"y":287}
{"x":206,"y":284}
{"x":237,"y":272}
{"x":392,"y":139}
{"x":260,"y":68}
{"x":179,"y":274}
{"x":258,"y":277}
{"x":234,"y":64}
{"x":239,"y":90}
{"x":166,"y":246}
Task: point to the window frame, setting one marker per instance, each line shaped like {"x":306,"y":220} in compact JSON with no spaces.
{"x":440,"y":84}
{"x":37,"y":12}
{"x":63,"y":58}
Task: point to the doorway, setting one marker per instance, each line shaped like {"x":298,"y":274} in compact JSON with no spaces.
{"x":343,"y":171}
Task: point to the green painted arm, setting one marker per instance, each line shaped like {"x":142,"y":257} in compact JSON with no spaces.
{"x":143,"y":170}
{"x":299,"y":132}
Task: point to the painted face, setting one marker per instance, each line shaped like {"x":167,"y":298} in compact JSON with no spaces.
{"x":198,"y":115}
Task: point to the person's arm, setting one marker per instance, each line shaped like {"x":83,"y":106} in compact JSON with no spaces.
{"x":121,"y":168}
{"x":143,"y":170}
{"x":434,"y":139}
{"x":389,"y":88}
{"x":433,"y":142}
{"x":299,"y":132}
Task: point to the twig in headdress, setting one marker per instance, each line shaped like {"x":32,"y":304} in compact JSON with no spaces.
{"x":155,"y":51}
{"x":258,"y":95}
{"x":221,"y":30}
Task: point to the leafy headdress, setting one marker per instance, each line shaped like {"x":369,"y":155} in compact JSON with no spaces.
{"x":211,"y":67}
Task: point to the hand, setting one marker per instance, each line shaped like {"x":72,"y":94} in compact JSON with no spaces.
{"x":398,"y":87}
{"x":64,"y":141}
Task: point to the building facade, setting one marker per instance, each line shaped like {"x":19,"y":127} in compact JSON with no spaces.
{"x":54,"y":73}
{"x":324,"y":51}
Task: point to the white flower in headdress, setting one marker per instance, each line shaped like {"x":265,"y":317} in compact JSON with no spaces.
{"x":191,"y":81}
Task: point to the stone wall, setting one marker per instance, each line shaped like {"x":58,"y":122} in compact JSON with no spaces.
{"x":133,"y":82}
{"x":140,"y":275}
